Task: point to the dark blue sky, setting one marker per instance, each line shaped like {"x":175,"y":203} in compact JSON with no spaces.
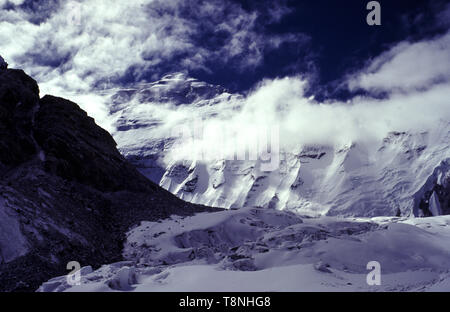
{"x":340,"y":41}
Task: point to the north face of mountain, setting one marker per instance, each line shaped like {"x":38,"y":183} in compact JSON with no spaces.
{"x":66,"y":193}
{"x":393,"y":176}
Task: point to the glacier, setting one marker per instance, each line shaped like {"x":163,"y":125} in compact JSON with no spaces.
{"x":256,"y":249}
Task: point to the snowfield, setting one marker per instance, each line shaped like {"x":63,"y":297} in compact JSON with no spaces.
{"x":268,"y":250}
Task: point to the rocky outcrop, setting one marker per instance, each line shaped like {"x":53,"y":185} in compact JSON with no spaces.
{"x":433,"y":198}
{"x":3,"y":64}
{"x":66,"y":193}
{"x":19,"y":95}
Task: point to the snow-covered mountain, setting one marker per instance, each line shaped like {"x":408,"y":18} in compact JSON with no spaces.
{"x":392,"y":176}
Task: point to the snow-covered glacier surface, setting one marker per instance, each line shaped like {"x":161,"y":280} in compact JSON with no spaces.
{"x":254,"y":249}
{"x":388,"y":175}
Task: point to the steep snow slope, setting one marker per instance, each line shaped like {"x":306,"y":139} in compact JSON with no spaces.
{"x":385,"y":177}
{"x":254,"y":249}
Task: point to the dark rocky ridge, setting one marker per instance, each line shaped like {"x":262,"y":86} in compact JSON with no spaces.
{"x":64,"y":183}
{"x":438,"y":183}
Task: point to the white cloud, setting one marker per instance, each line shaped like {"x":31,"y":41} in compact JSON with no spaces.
{"x":101,"y":39}
{"x":115,"y":37}
{"x":407,"y":66}
{"x":14,"y":2}
{"x":73,"y":46}
{"x":301,"y":121}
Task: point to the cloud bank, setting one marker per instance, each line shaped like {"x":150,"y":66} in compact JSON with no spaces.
{"x":415,"y":78}
{"x":82,"y":44}
{"x":75,"y":47}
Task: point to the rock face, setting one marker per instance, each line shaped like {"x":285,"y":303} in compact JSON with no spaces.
{"x":433,"y":198}
{"x":66,"y":193}
{"x":19,"y":95}
{"x":3,"y":64}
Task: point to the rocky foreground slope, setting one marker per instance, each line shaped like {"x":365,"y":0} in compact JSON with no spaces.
{"x":66,"y":193}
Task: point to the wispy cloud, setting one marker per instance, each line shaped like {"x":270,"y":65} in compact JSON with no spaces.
{"x":83,"y":43}
{"x":407,"y":66}
{"x":74,"y":47}
{"x":78,"y":46}
{"x":415,"y":81}
{"x":301,"y":121}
